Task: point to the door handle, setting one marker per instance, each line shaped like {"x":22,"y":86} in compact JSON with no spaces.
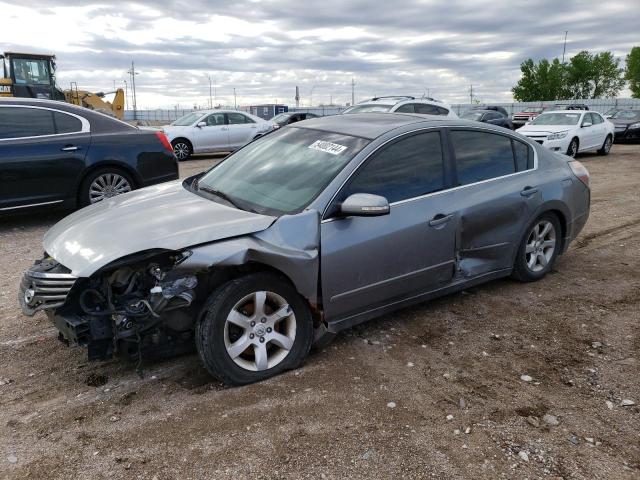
{"x":70,"y":148}
{"x":224,"y":128}
{"x":254,"y":126}
{"x":528,"y":191}
{"x":439,"y":219}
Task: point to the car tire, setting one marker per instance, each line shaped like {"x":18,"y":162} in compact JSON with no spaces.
{"x":606,"y":146}
{"x":538,"y":249}
{"x":104,"y":183}
{"x":273,"y":341}
{"x":574,"y":145}
{"x":182,"y":148}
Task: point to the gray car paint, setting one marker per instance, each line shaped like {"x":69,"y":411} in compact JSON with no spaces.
{"x":356,"y":267}
{"x":165,"y":216}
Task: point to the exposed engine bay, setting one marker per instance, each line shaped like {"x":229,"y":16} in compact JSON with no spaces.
{"x":146,"y":307}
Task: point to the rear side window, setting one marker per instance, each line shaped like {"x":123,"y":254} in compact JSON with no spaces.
{"x":523,"y":154}
{"x":407,"y":168}
{"x":442,"y":111}
{"x":425,"y":108}
{"x":17,"y":122}
{"x":66,"y":123}
{"x":481,"y":155}
{"x":236,"y":118}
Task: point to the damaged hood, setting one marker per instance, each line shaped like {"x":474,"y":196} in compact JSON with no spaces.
{"x":165,"y":216}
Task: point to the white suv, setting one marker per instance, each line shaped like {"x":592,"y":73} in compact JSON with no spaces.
{"x":207,"y":131}
{"x":403,"y":104}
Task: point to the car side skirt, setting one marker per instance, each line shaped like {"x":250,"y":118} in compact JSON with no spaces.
{"x":353,"y":320}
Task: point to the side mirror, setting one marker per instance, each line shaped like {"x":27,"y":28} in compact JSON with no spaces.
{"x":364,"y":205}
{"x":201,"y":124}
{"x":586,"y":124}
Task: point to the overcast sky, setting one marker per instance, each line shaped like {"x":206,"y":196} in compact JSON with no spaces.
{"x":265,"y":48}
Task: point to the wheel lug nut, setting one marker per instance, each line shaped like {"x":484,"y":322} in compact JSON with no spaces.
{"x":253,"y":324}
{"x":261,"y":339}
{"x":251,"y":335}
{"x":269,"y":330}
{"x":263,"y":320}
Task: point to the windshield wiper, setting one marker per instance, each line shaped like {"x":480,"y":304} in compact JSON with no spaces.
{"x":218,"y":193}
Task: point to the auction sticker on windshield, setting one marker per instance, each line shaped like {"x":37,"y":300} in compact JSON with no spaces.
{"x":327,"y":147}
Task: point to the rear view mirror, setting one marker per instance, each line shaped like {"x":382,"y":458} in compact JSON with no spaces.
{"x":201,"y":124}
{"x":365,"y":205}
{"x":586,"y":124}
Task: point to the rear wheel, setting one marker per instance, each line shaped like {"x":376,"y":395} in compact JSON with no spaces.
{"x":538,"y":249}
{"x":606,"y":146}
{"x":182,"y":149}
{"x":104,"y":183}
{"x":572,"y":151}
{"x":253,"y":328}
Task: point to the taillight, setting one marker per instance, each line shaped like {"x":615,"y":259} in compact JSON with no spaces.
{"x":580,"y":171}
{"x":164,"y":141}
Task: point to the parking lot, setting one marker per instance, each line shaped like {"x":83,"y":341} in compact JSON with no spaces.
{"x":506,"y":380}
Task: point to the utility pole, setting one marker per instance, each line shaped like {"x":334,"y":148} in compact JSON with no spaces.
{"x":133,"y":74}
{"x":210,"y":98}
{"x":126,"y":96}
{"x":471,"y":94}
{"x":353,"y":91}
{"x":235,"y":102}
{"x":564,"y":49}
{"x":297,"y":96}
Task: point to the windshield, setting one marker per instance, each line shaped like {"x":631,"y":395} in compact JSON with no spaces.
{"x":283,"y":117}
{"x":31,"y":72}
{"x":283,"y":171}
{"x":533,"y":110}
{"x":368,"y":108}
{"x":556,"y":119}
{"x":472,"y":115}
{"x":186,"y":120}
{"x":627,"y":114}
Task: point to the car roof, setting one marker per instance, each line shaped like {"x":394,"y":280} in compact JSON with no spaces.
{"x":99,"y":121}
{"x":573,"y":112}
{"x":373,"y":125}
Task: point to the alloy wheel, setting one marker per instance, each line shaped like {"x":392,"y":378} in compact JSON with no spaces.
{"x":541,"y":245}
{"x":181,"y":150}
{"x":573,"y":148}
{"x":607,"y":144}
{"x":108,"y":185}
{"x":259,"y":331}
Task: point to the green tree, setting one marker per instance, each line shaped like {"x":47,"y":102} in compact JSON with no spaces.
{"x":632,"y":73}
{"x":594,"y":76}
{"x":543,"y":81}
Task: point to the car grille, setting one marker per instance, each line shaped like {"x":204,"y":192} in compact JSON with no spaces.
{"x":45,"y":286}
{"x":522,"y":118}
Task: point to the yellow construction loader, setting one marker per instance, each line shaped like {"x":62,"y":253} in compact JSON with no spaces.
{"x":30,"y":75}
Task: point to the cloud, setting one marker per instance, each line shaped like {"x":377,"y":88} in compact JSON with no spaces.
{"x":264,"y":49}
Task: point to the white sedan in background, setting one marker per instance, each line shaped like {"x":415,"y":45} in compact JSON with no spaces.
{"x":571,"y":131}
{"x":207,"y":131}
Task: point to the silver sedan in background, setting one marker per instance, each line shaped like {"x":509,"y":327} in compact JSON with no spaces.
{"x":307,"y":231}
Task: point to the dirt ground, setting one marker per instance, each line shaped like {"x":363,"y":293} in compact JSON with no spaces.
{"x":433,"y":391}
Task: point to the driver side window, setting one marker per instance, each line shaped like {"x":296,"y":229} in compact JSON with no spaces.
{"x":408,"y":168}
{"x":215,"y":119}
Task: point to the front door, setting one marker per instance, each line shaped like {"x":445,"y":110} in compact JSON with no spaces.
{"x":369,"y":262}
{"x":212,"y":137}
{"x":41,"y":155}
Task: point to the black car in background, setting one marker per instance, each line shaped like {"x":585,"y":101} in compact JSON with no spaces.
{"x":56,"y":154}
{"x":627,"y":123}
{"x":493,"y":115}
{"x":292,"y":117}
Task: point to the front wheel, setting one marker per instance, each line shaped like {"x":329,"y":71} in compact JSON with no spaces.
{"x":606,"y":146}
{"x":572,"y":151}
{"x":253,"y":328}
{"x":181,"y":149}
{"x":538,"y":249}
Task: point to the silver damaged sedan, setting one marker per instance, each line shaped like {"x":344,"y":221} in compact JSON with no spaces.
{"x":309,"y":230}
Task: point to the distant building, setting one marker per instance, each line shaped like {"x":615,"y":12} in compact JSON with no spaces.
{"x":268,"y":110}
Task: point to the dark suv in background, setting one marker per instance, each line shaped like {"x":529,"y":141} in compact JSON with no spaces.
{"x":57,"y":154}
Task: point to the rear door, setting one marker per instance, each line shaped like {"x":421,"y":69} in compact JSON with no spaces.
{"x":496,"y":195}
{"x":589,"y":132}
{"x":214,"y":136}
{"x":242,"y":129}
{"x":600,"y":129}
{"x":42,"y":155}
{"x":369,"y":262}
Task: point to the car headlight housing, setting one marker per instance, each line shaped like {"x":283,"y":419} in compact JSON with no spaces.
{"x":634,"y":125}
{"x":558,"y":135}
